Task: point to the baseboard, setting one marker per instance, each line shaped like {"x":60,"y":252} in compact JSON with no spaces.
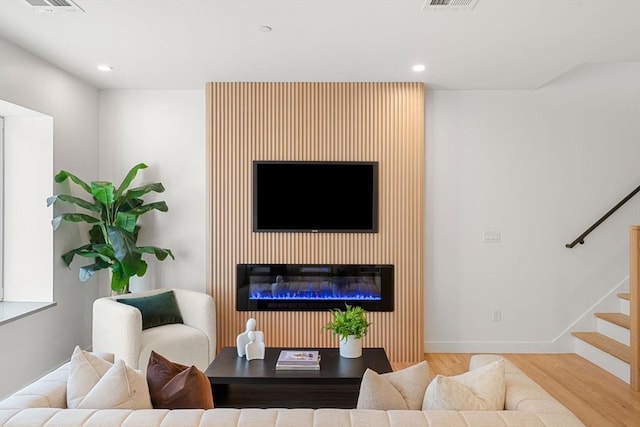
{"x":494,"y":347}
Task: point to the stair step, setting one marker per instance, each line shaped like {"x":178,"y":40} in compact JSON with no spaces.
{"x":626,"y":296}
{"x":604,"y":360}
{"x":619,"y":319}
{"x":606,"y":344}
{"x":625,"y":303}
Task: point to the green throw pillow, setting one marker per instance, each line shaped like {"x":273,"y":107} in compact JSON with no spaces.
{"x":157,"y":310}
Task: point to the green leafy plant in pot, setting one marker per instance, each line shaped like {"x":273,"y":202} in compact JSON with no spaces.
{"x":113,"y":213}
{"x":350,"y":326}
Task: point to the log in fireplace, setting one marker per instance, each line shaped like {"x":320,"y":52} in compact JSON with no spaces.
{"x":313,"y":287}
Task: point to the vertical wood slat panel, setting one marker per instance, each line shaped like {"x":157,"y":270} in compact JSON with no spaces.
{"x":381,"y":122}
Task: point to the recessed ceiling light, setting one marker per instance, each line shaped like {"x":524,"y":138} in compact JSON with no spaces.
{"x":105,"y":67}
{"x":264,"y":29}
{"x":418,"y":68}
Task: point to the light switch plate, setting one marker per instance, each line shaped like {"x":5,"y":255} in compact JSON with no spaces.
{"x":491,"y":236}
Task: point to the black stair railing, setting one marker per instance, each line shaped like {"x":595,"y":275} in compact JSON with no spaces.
{"x":580,"y":238}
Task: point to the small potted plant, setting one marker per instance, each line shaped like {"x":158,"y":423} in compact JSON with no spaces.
{"x":350,"y":325}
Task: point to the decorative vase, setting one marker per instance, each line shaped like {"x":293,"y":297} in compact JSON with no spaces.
{"x":350,"y":347}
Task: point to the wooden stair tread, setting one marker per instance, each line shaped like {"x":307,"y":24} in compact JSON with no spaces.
{"x":626,"y":296}
{"x":616,"y":318}
{"x":606,"y":344}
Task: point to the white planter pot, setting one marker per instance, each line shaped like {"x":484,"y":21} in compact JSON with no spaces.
{"x":350,"y":347}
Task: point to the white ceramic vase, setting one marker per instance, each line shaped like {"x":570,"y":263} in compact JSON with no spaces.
{"x":350,"y":347}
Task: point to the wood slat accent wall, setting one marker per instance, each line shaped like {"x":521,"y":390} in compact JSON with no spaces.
{"x":381,"y":122}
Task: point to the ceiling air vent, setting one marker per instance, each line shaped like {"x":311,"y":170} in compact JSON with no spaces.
{"x":54,"y":6}
{"x":449,"y":4}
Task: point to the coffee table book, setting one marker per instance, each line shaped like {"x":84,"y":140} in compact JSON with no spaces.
{"x":298,"y":360}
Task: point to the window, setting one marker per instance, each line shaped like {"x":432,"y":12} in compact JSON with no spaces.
{"x":26,"y":238}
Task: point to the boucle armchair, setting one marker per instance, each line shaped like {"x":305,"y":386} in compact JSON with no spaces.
{"x":117,"y":329}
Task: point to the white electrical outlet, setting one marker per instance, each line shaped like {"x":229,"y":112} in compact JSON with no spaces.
{"x":497,"y":314}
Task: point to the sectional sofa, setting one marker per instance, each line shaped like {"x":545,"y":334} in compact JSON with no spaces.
{"x":43,"y":403}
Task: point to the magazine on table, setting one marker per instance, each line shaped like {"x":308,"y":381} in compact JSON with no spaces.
{"x":298,"y":359}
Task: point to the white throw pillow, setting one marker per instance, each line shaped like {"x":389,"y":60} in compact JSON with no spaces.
{"x":482,"y":389}
{"x":95,"y":383}
{"x":402,"y":389}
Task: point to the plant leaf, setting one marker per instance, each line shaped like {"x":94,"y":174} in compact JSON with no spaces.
{"x":126,"y":205}
{"x":75,"y":200}
{"x":96,"y":235}
{"x":128,"y":179}
{"x":103,"y":253}
{"x":161,"y":206}
{"x":142,"y":269}
{"x":63,"y":175}
{"x":125,"y":250}
{"x":160,"y":253}
{"x":67,"y":257}
{"x":137,"y":192}
{"x":107,"y":256}
{"x":103,"y":191}
{"x":126,"y":221}
{"x":72,"y":217}
{"x":352,"y":321}
{"x":119,"y":279}
{"x":87,"y":271}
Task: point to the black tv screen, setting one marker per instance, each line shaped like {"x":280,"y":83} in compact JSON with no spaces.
{"x":315,"y":196}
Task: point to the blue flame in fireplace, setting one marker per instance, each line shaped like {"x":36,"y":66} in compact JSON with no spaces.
{"x":317,"y":296}
{"x":317,"y":288}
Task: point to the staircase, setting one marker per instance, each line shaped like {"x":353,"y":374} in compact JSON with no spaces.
{"x":615,"y":346}
{"x":609,"y":347}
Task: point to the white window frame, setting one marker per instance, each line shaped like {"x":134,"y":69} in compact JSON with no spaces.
{"x":1,"y":208}
{"x":27,"y":134}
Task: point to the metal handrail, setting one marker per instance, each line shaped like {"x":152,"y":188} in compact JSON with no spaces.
{"x":580,"y":238}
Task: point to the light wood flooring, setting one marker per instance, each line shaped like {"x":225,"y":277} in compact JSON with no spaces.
{"x":598,"y":398}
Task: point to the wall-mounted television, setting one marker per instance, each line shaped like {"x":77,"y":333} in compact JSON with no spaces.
{"x":305,"y":196}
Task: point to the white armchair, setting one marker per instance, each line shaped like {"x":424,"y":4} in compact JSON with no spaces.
{"x":117,"y":329}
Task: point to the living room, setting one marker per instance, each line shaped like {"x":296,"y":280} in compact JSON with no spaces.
{"x":538,"y":162}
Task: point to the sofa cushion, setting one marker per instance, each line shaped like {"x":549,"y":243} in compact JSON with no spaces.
{"x":176,"y":386}
{"x":481,"y":389}
{"x":402,"y":389}
{"x":193,"y":348}
{"x":157,"y":309}
{"x":94,"y":383}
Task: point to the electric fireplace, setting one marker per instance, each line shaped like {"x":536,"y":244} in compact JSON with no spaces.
{"x":313,"y":287}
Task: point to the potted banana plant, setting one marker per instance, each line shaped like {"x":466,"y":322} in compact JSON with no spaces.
{"x":113,"y":215}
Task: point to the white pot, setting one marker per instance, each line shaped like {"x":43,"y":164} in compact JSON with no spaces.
{"x":350,"y":347}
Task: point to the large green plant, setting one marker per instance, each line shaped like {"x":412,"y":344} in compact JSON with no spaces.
{"x":113,"y":213}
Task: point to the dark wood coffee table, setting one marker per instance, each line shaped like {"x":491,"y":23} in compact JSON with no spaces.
{"x":239,"y":383}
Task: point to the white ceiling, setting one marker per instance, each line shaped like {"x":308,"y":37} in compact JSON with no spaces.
{"x":182,"y":44}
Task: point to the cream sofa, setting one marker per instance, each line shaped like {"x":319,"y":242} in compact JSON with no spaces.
{"x":43,"y":404}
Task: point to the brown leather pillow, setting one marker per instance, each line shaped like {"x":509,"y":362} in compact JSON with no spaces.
{"x":175,"y":386}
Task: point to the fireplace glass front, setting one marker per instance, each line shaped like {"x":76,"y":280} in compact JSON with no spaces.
{"x":313,"y":287}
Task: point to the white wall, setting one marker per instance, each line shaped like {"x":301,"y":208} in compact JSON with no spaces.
{"x":36,"y":344}
{"x":540,"y":166}
{"x":165,"y":130}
